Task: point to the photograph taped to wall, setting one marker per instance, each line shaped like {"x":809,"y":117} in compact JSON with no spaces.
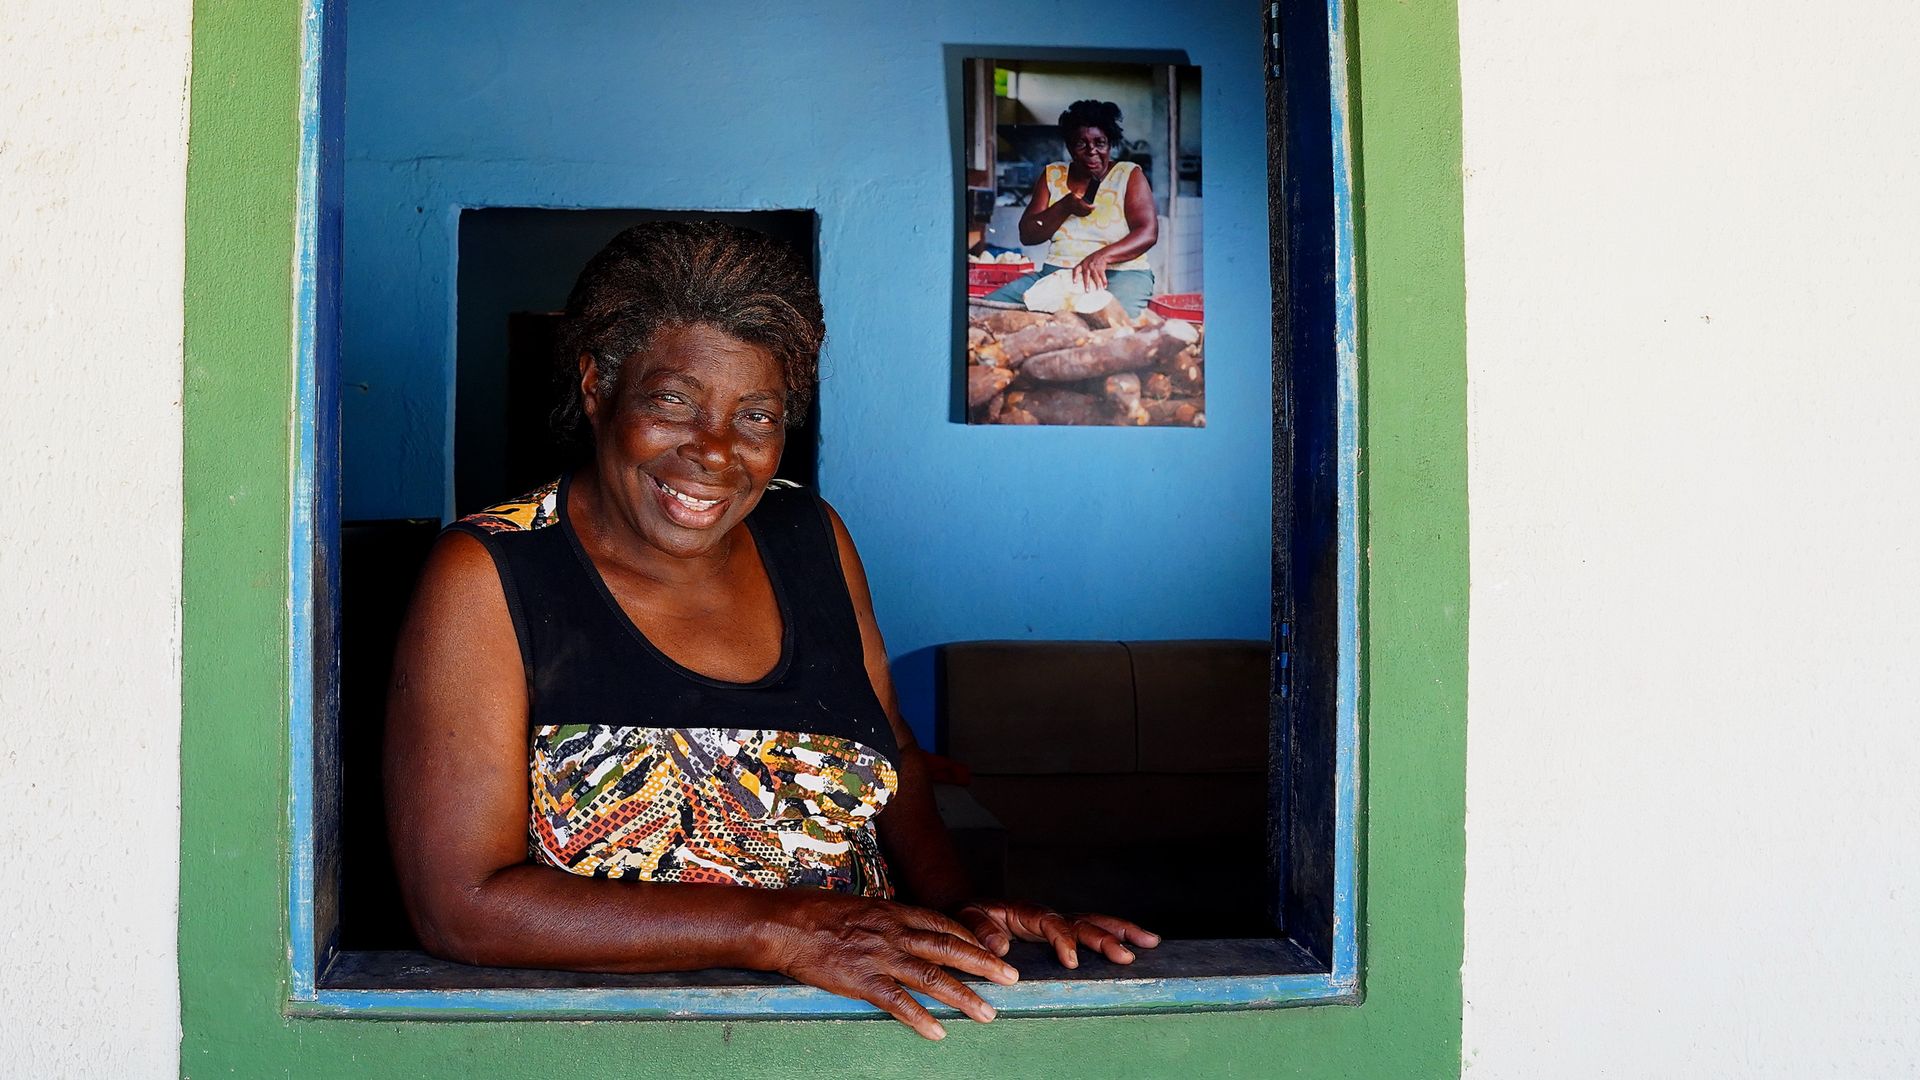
{"x":1081,"y":192}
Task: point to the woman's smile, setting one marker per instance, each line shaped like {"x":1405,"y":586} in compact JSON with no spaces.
{"x":688,"y":438}
{"x":686,"y":510}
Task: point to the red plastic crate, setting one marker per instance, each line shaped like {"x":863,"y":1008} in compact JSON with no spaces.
{"x":1186,"y":305}
{"x":983,"y":278}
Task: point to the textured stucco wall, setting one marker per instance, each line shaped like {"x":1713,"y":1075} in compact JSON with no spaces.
{"x":92,"y":177}
{"x":1691,"y":237}
{"x":1689,"y":245}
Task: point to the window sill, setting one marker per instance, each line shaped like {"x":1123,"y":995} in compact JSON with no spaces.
{"x":1179,"y":976}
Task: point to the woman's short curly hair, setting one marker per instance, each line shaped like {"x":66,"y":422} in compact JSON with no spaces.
{"x":1092,"y":113}
{"x":676,"y":273}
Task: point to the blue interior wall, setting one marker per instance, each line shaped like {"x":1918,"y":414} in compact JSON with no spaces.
{"x":843,"y":108}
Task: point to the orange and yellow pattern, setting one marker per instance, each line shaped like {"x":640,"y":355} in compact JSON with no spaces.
{"x":773,"y":809}
{"x":534,"y":510}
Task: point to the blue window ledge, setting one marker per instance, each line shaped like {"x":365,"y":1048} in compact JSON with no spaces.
{"x":1179,"y":976}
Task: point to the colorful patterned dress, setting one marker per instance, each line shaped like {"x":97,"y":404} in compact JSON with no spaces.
{"x":644,"y":770}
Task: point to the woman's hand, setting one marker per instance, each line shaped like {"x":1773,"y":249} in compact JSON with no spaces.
{"x":997,"y":922}
{"x":877,"y":950}
{"x":1092,"y":270}
{"x":1075,"y":205}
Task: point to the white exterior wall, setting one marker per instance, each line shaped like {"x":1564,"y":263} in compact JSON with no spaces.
{"x":1696,"y":538}
{"x":1694,"y":727}
{"x":92,"y":181}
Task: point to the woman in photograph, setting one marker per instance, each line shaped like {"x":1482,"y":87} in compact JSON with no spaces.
{"x":1096,"y":215}
{"x":641,"y":719}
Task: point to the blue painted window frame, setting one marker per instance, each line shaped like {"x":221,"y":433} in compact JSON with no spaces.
{"x":313,"y":631}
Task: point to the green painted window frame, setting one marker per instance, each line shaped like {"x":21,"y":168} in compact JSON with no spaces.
{"x":238,"y":661}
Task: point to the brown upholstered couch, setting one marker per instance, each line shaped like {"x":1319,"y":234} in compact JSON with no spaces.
{"x":1129,"y":777}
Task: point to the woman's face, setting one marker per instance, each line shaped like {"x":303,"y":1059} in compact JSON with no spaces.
{"x":688,"y":440}
{"x":1089,"y":149}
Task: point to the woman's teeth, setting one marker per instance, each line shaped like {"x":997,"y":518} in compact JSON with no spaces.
{"x":688,"y":501}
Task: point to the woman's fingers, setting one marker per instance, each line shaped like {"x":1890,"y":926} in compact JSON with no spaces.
{"x":997,"y":923}
{"x":1088,"y":273}
{"x":926,"y":977}
{"x":1031,"y":922}
{"x":1113,"y":938}
{"x":987,"y":930}
{"x":954,"y":953}
{"x":1055,"y":930}
{"x":921,"y":964}
{"x":1102,"y":940}
{"x":886,"y":994}
{"x":1131,"y":933}
{"x":924,"y":919}
{"x":883,"y":953}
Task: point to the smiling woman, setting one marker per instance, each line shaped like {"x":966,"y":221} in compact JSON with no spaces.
{"x":692,"y":438}
{"x":621,"y":698}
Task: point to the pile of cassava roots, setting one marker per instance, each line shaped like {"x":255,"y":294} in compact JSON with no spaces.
{"x":1091,"y":367}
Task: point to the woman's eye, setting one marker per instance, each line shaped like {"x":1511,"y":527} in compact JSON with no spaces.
{"x":762,"y":419}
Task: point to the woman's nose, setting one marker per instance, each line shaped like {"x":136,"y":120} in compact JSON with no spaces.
{"x":710,"y":447}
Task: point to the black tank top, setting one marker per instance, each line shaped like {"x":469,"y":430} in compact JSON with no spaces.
{"x":644,"y":769}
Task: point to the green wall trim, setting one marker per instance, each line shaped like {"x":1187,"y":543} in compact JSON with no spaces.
{"x":1404,"y":78}
{"x":241,"y":171}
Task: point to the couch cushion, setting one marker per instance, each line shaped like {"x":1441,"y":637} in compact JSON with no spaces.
{"x":1206,"y":888}
{"x":1201,"y":705}
{"x":1027,"y":707}
{"x":1144,"y":810}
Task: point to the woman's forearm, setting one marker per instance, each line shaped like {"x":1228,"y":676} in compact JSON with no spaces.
{"x":919,"y":849}
{"x":542,"y":917}
{"x":1136,"y":243}
{"x":870,"y":950}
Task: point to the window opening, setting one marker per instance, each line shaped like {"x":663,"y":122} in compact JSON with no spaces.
{"x":1310,"y":951}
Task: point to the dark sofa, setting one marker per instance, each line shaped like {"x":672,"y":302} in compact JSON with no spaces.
{"x":1129,"y":777}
